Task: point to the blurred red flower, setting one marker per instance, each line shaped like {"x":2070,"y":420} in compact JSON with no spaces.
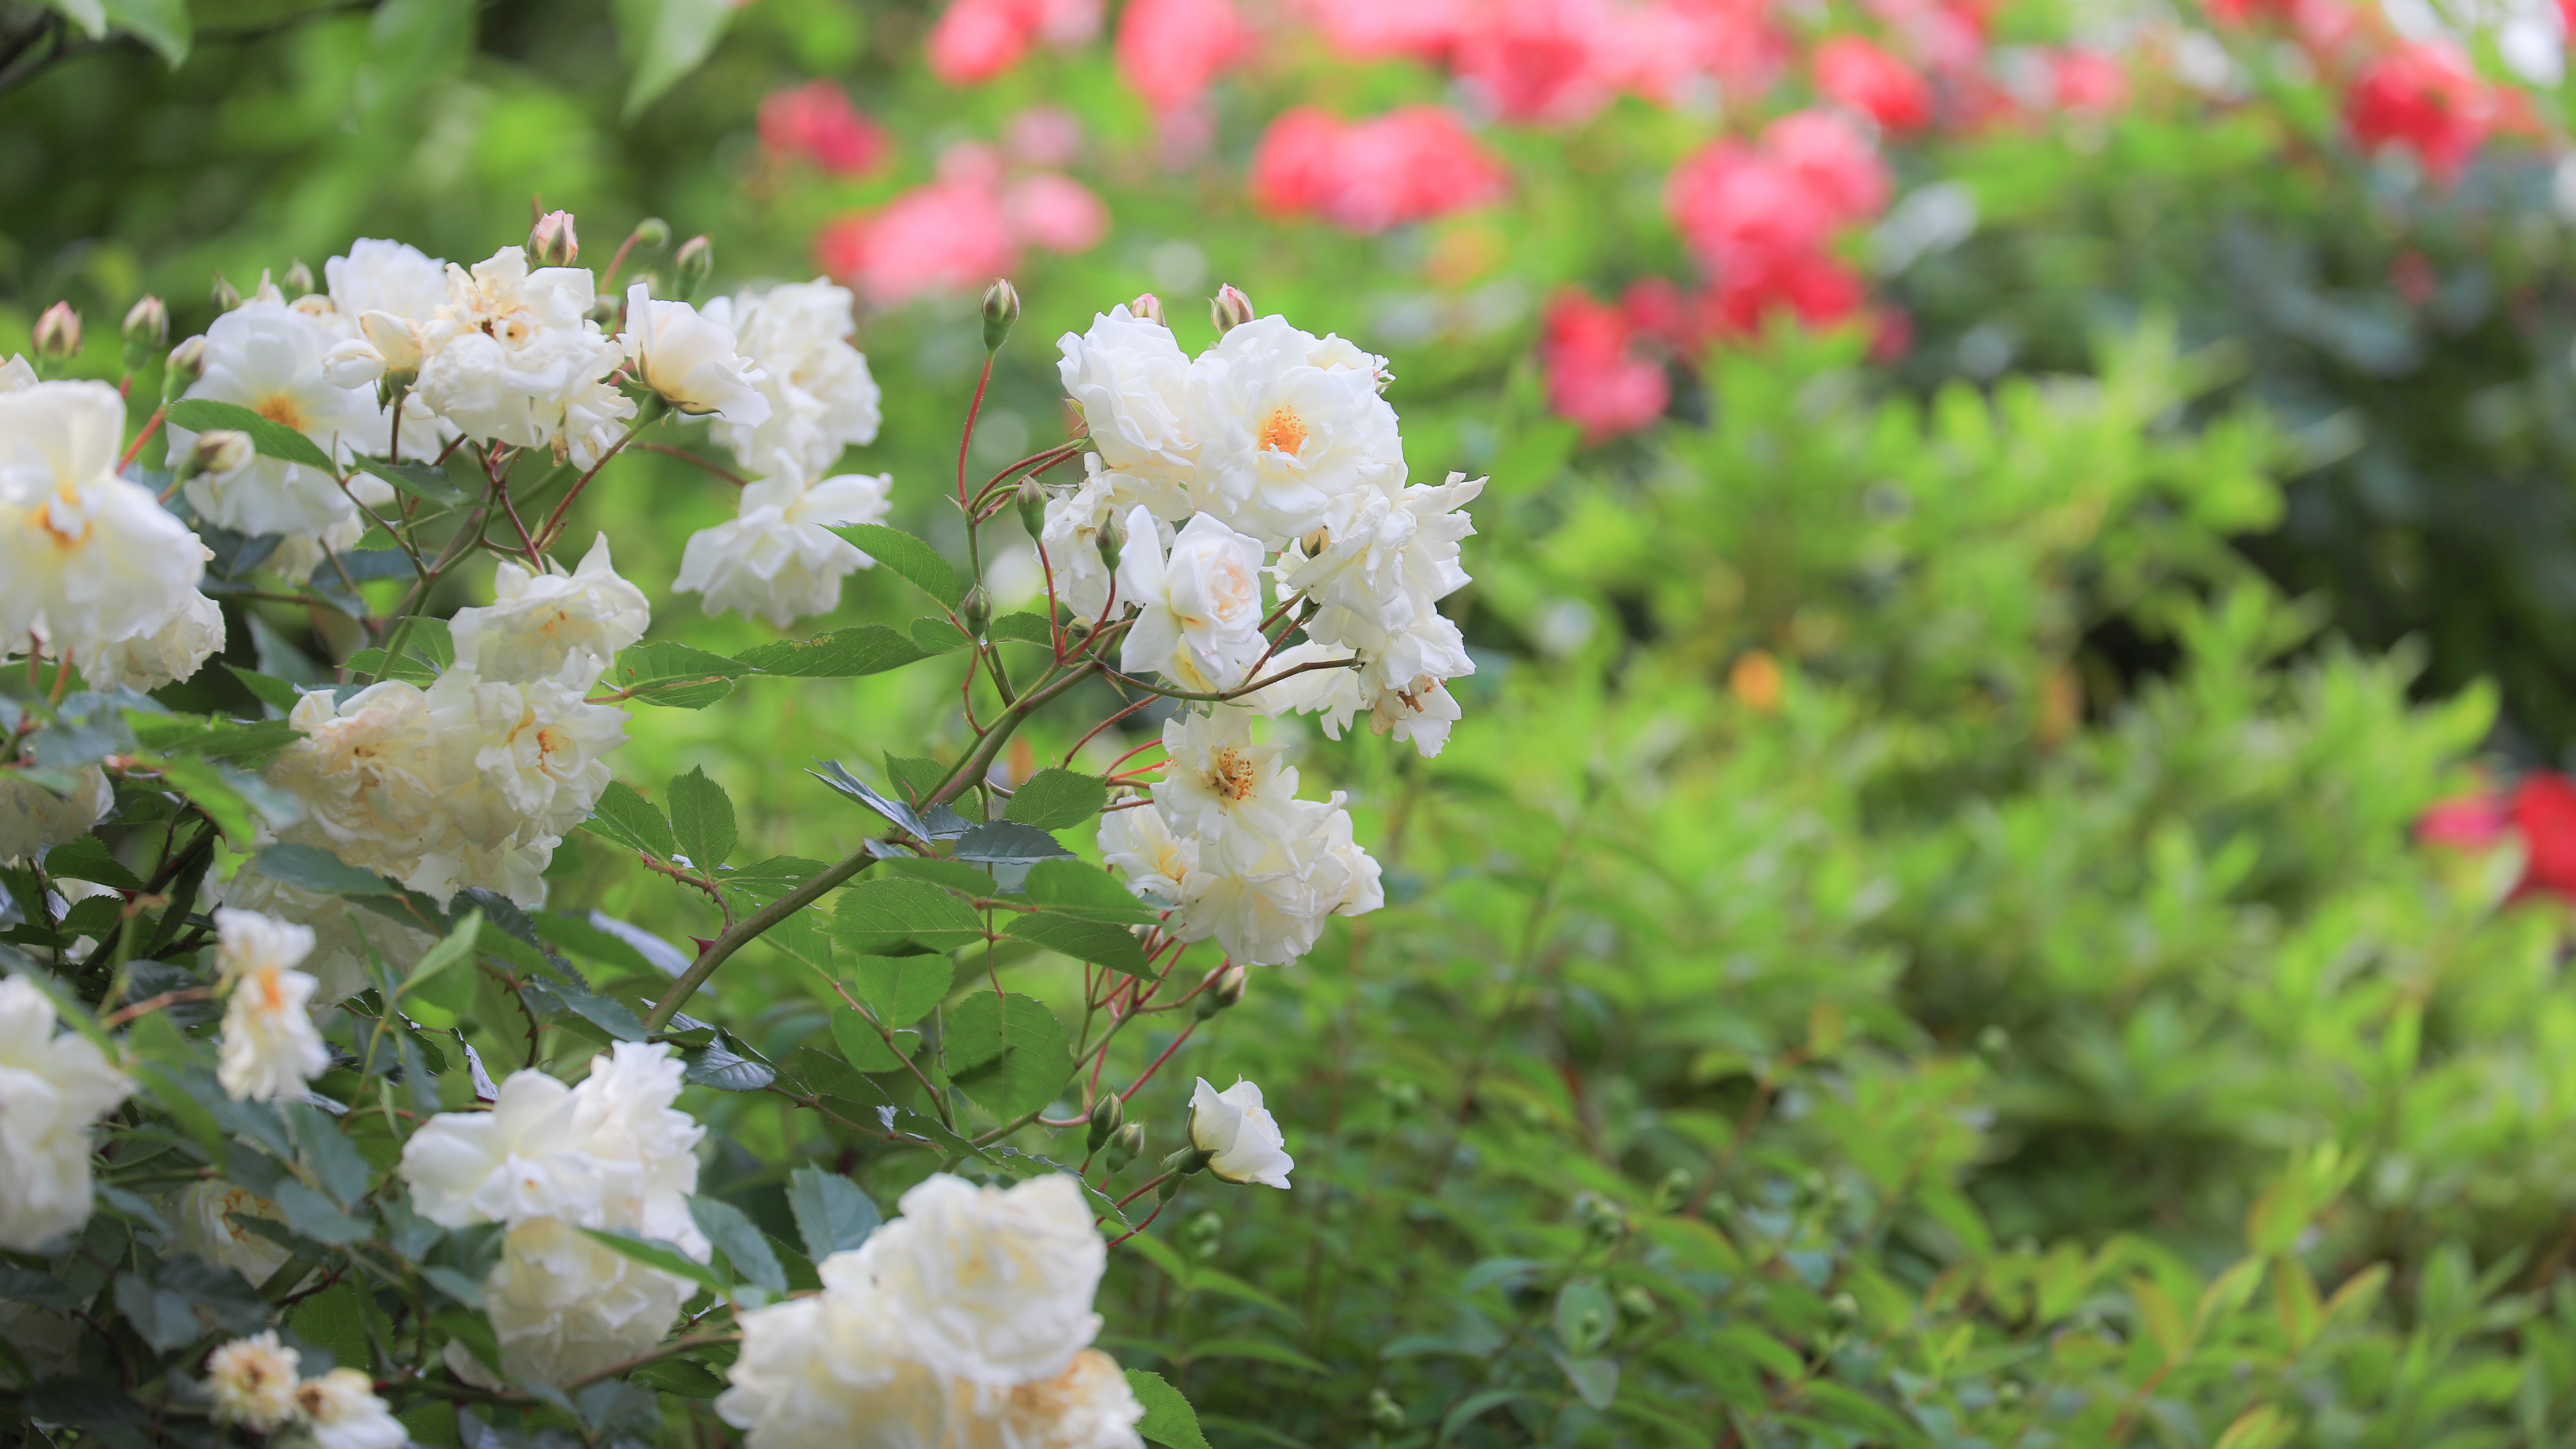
{"x":1858,"y":74}
{"x":1595,"y":374}
{"x":1169,"y":51}
{"x":816,"y":123}
{"x":1411,"y":164}
{"x":948,"y":236}
{"x":2541,"y":810}
{"x":976,"y":40}
{"x":2423,"y":96}
{"x":1054,"y":212}
{"x":2087,"y":81}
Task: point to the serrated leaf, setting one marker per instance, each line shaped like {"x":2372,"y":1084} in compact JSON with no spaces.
{"x":900,"y":989}
{"x":739,"y":1239}
{"x":1103,"y":943}
{"x":841,"y":654}
{"x":314,"y":1216}
{"x":1052,"y":799}
{"x":272,"y":439}
{"x":719,"y":1065}
{"x":1023,"y":628}
{"x":673,"y":675}
{"x":882,"y":916}
{"x":1169,"y":1420}
{"x":1008,"y":1052}
{"x":1006,"y":842}
{"x":910,"y":558}
{"x":866,"y":1048}
{"x":701,"y":819}
{"x":653,"y":1253}
{"x":832,"y":1214}
{"x":631,"y":820}
{"x":766,"y":880}
{"x":964,"y":877}
{"x":938,"y":636}
{"x":1077,"y":888}
{"x":87,"y":859}
{"x":420,"y":480}
{"x":938,"y":823}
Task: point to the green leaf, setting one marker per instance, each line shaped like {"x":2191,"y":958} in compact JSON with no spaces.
{"x":965,"y":878}
{"x":607,"y":1013}
{"x":841,"y":654}
{"x":311,"y":868}
{"x":675,"y":676}
{"x":901,"y":989}
{"x":246,"y":744}
{"x":1584,"y":1316}
{"x":87,"y":859}
{"x":1103,"y":943}
{"x":1005,"y":842}
{"x":273,"y":439}
{"x":1595,"y":1380}
{"x":1258,"y":1348}
{"x":1008,"y":1052}
{"x":701,"y":819}
{"x":420,"y":480}
{"x":1169,"y":1420}
{"x":1076,"y":888}
{"x":161,"y":24}
{"x":739,"y":1239}
{"x":459,"y":946}
{"x":1476,"y":1404}
{"x":938,"y":636}
{"x":89,"y":15}
{"x":276,"y":693}
{"x":832,"y":1214}
{"x":668,"y":39}
{"x":629,"y":819}
{"x":1024,"y":628}
{"x":680,"y":1377}
{"x":317,"y":1217}
{"x":1053,"y":799}
{"x":719,"y":1065}
{"x":654,"y":1253}
{"x":867,"y":1048}
{"x":914,"y":560}
{"x":766,"y":880}
{"x":879,"y":916}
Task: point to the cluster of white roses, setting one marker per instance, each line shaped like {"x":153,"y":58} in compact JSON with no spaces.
{"x":473,"y":780}
{"x":270,"y":1047}
{"x":547,"y":1161}
{"x":256,"y":1383}
{"x":54,"y":1087}
{"x":966,"y":1323}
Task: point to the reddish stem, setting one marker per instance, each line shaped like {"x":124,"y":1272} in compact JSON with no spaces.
{"x":967,"y":441}
{"x":134,"y":449}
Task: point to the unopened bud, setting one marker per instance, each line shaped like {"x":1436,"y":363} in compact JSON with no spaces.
{"x":1384,"y":1411}
{"x":1187,"y":1160}
{"x":226,"y":295}
{"x":1314,"y":544}
{"x":187,"y":364}
{"x":1147,"y":308}
{"x":1229,"y":308}
{"x":58,"y":334}
{"x":1107,"y":1116}
{"x":976,"y":609}
{"x":299,"y":280}
{"x":1995,"y":1045}
{"x":1674,"y":1190}
{"x":1636,"y":1302}
{"x":552,"y":241}
{"x":219,"y":452}
{"x":695,"y":262}
{"x":1170,"y":1189}
{"x":1109,"y":551}
{"x":147,"y":328}
{"x":1031,"y":500}
{"x":1125,"y":1145}
{"x":1001,"y":313}
{"x":652,"y":234}
{"x":1227,"y":991}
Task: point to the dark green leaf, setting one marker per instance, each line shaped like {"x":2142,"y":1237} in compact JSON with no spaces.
{"x":900,"y":989}
{"x":879,"y":916}
{"x":1024,"y":628}
{"x":311,"y":868}
{"x":630,"y":820}
{"x":1103,"y":943}
{"x":611,"y":942}
{"x":26,"y":1285}
{"x":834,"y":774}
{"x":676,"y":675}
{"x":1006,"y":842}
{"x":719,"y":1065}
{"x":841,"y":654}
{"x":1169,"y":1420}
{"x":1008,"y":1052}
{"x":273,"y":439}
{"x":1075,"y":888}
{"x":608,"y":1014}
{"x":161,"y":24}
{"x":420,"y":480}
{"x":832,"y":1214}
{"x":87,"y":859}
{"x":313,"y":1215}
{"x":701,"y":819}
{"x":454,"y":1284}
{"x":653,"y":1253}
{"x":276,"y":693}
{"x":739,"y":1240}
{"x":909,"y":557}
{"x":938,"y":636}
{"x":964,"y":877}
{"x":1053,"y":799}
{"x":680,"y":1377}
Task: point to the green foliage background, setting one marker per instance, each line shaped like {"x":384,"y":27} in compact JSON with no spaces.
{"x":2024,"y":1022}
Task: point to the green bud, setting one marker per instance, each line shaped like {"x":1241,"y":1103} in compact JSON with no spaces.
{"x":299,"y":280}
{"x":218,"y":451}
{"x":976,"y":609}
{"x":1001,"y":313}
{"x":652,"y":234}
{"x":187,"y":364}
{"x":58,"y":334}
{"x":1107,"y":1115}
{"x":1031,"y":499}
{"x":147,"y":331}
{"x":1170,"y":1189}
{"x":695,"y":262}
{"x":227,"y":296}
{"x":1227,"y":991}
{"x":1384,"y":1411}
{"x":1126,"y":1145}
{"x":1185,"y":1161}
{"x":1229,"y":308}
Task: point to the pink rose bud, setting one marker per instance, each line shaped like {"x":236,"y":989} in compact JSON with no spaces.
{"x":551,"y":242}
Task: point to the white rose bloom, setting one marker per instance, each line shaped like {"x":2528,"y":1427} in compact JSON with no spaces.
{"x":1418,"y":708}
{"x":1265,"y":896}
{"x":372,"y":774}
{"x":779,"y":558}
{"x":1133,"y":386}
{"x":513,"y":357}
{"x":34,"y":819}
{"x":344,"y":933}
{"x":1199,"y":609}
{"x":52,"y":1088}
{"x":537,"y":756}
{"x":173,"y":652}
{"x":1157,"y":863}
{"x":993,"y":1287}
{"x":690,"y":359}
{"x":1387,"y":559}
{"x":822,"y":399}
{"x":1222,"y":790}
{"x":820,"y":1373}
{"x":88,"y":557}
{"x":252,"y":1381}
{"x":340,"y":1410}
{"x":1076,"y":522}
{"x":552,"y":626}
{"x":206,"y":1230}
{"x":626,"y":1121}
{"x":385,"y":276}
{"x":1088,"y":1406}
{"x":267,"y":357}
{"x":563,"y":1306}
{"x":520,"y":1161}
{"x":16,"y":373}
{"x":1237,"y":1133}
{"x":1280,"y":438}
{"x":270,"y":1049}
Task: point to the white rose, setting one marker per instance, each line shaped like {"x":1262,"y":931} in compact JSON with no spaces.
{"x":206,"y":1230}
{"x":52,"y":1088}
{"x":385,"y":276}
{"x":173,"y":652}
{"x":779,"y":558}
{"x":1088,"y":1406}
{"x":1138,"y":842}
{"x":270,"y":1049}
{"x":519,"y":1161}
{"x":268,"y":357}
{"x":16,"y":373}
{"x":90,"y":558}
{"x":1280,"y":438}
{"x":992,"y":1287}
{"x":512,"y":356}
{"x":1223,"y":790}
{"x":822,"y":399}
{"x":552,"y":626}
{"x":34,"y":819}
{"x":624,"y":1119}
{"x":1076,"y":522}
{"x":252,"y":1381}
{"x":1199,"y":610}
{"x":1132,"y":384}
{"x":372,"y":775}
{"x":340,"y":1410}
{"x":1237,"y":1133}
{"x":343,"y":933}
{"x":563,"y":1306}
{"x":823,"y":1373}
{"x":690,"y":359}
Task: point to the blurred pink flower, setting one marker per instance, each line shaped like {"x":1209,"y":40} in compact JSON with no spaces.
{"x":1760,"y":220}
{"x":1054,"y":212}
{"x":816,"y":123}
{"x":1829,"y":153}
{"x":1548,"y":61}
{"x":1595,"y":375}
{"x":1858,"y":74}
{"x":1815,"y":288}
{"x":1738,"y":207}
{"x":2425,"y":97}
{"x":2087,"y":81}
{"x":1169,"y":51}
{"x":1424,"y":30}
{"x":1043,"y":136}
{"x":1411,"y":164}
{"x":943,"y":237}
{"x":976,"y":40}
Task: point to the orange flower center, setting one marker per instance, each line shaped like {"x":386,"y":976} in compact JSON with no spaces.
{"x":1283,"y":431}
{"x":1231,"y":775}
{"x":279,"y":408}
